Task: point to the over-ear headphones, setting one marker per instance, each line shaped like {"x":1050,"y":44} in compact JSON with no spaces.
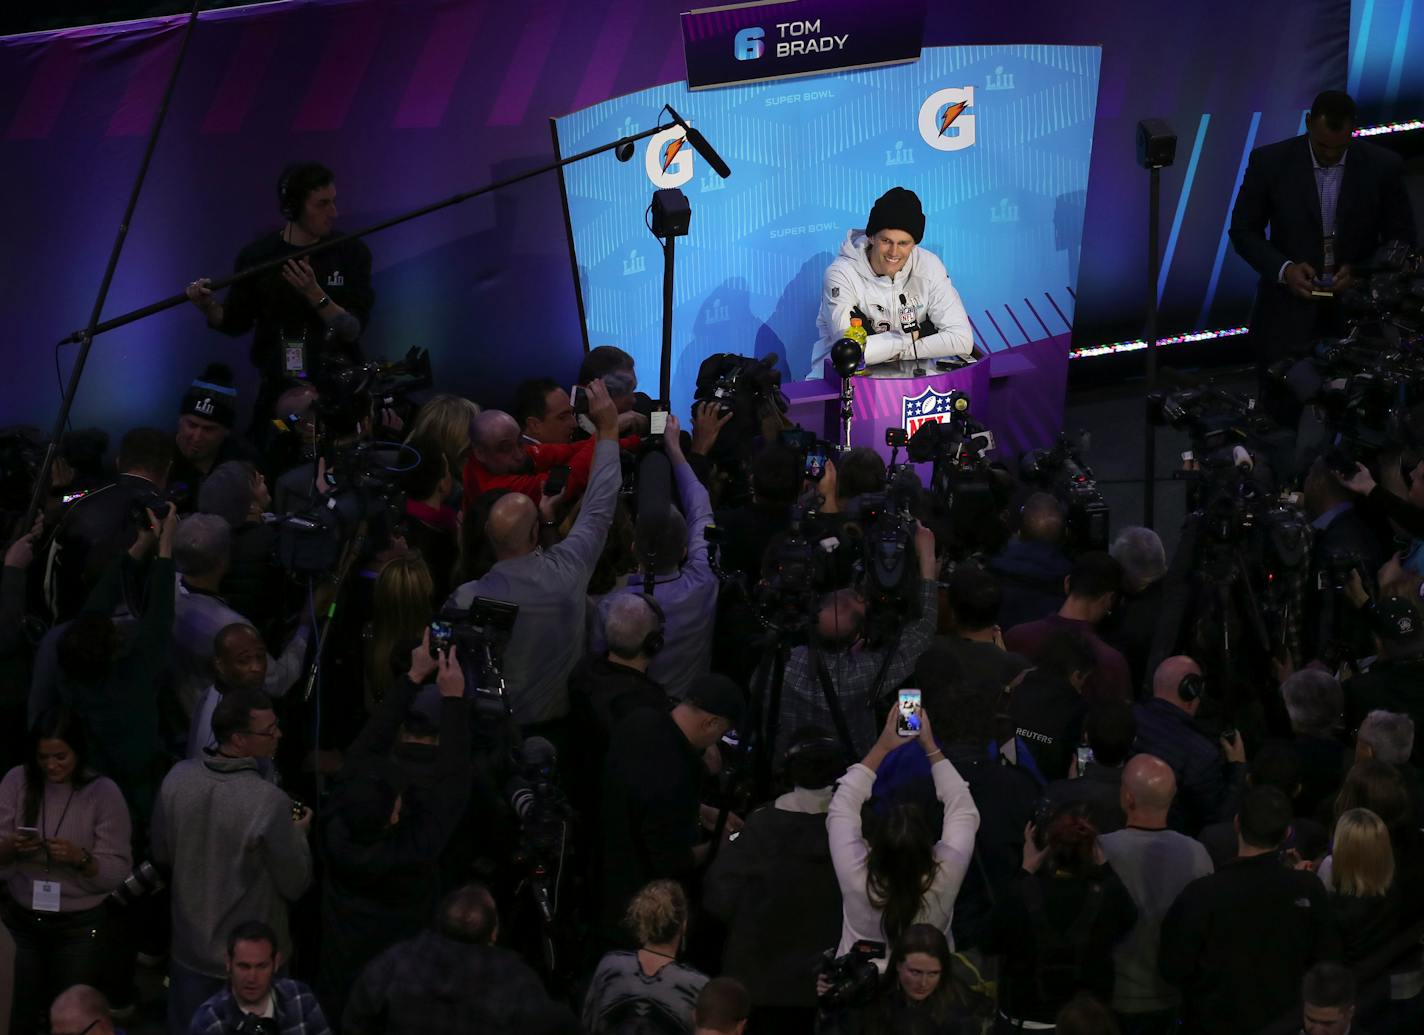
{"x":1191,"y":687}
{"x":284,"y":194}
{"x":655,"y":640}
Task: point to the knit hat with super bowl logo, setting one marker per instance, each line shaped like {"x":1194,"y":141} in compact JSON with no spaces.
{"x":212,"y":396}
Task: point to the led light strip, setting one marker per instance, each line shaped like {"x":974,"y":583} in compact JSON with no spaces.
{"x":1389,"y":127}
{"x":1137,"y":344}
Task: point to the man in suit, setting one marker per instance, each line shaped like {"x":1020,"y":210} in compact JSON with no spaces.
{"x":1329,"y":202}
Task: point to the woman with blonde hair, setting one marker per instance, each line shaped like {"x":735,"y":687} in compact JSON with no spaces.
{"x":446,"y":419}
{"x":647,"y":990}
{"x":1359,"y":874}
{"x":401,"y":610}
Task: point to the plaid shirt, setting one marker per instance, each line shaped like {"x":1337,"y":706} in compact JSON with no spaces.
{"x":295,"y":1010}
{"x":853,"y":674}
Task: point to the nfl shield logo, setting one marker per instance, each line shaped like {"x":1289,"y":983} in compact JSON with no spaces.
{"x":927,"y":406}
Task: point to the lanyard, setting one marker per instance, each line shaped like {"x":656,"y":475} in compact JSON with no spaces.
{"x":67,"y":802}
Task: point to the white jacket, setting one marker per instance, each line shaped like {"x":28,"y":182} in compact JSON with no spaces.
{"x":850,"y":854}
{"x":850,"y":282}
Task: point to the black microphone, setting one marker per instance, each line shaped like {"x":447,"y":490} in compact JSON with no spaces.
{"x":700,"y":145}
{"x":910,"y":326}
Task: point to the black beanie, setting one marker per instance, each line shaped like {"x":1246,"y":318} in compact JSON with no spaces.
{"x":897,"y":209}
{"x":212,"y":397}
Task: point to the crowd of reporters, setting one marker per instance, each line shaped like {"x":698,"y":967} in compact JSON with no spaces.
{"x":293,"y":780}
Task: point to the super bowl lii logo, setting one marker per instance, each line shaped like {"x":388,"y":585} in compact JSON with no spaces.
{"x":1004,"y":212}
{"x":899,"y":155}
{"x":634,"y":263}
{"x":999,"y":79}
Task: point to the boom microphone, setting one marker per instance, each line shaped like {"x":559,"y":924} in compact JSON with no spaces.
{"x":700,"y":145}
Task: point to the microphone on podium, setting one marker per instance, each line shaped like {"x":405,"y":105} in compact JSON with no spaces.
{"x":700,"y":145}
{"x":910,"y":324}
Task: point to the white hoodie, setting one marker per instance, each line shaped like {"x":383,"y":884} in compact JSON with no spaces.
{"x":850,"y":283}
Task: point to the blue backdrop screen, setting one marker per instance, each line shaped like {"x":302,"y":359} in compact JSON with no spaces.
{"x":1003,"y":187}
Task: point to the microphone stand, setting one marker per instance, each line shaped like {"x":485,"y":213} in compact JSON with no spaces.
{"x":86,"y":337}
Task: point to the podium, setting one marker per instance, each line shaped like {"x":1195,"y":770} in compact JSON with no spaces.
{"x":1017,"y":394}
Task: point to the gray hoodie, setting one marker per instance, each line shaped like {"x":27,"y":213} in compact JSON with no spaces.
{"x":227,"y":837}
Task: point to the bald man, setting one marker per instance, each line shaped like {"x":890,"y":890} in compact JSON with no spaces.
{"x":1209,"y":772}
{"x":549,"y":586}
{"x":501,"y":458}
{"x":1155,"y":864}
{"x":80,"y":1008}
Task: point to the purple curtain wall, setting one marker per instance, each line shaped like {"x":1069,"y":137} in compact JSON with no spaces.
{"x":409,"y":102}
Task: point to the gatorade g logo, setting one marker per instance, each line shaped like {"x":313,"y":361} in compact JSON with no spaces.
{"x":748,"y":45}
{"x":668,"y":158}
{"x":943,"y":122}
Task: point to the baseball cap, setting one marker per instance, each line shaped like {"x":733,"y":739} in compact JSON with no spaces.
{"x":718,"y":695}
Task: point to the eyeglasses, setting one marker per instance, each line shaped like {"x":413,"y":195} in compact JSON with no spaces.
{"x":83,"y":1031}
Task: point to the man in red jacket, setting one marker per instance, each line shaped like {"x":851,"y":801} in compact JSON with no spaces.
{"x":499,"y":459}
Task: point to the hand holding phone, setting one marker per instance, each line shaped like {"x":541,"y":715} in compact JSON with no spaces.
{"x":556,"y":480}
{"x":908,"y":717}
{"x":441,"y":636}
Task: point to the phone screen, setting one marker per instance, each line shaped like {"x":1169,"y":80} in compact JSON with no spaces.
{"x":815,"y":465}
{"x":578,"y":399}
{"x":1085,"y":758}
{"x":657,"y":422}
{"x":907,"y":719}
{"x":441,"y":636}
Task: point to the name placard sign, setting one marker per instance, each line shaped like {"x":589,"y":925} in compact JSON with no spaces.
{"x":749,"y":42}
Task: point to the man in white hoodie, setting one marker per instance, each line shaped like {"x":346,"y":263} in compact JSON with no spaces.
{"x":908,"y":306}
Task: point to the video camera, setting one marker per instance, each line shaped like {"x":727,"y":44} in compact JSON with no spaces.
{"x":363,"y":487}
{"x":853,"y":979}
{"x":1063,"y":472}
{"x":350,"y":392}
{"x":480,"y":634}
{"x":967,"y":493}
{"x":748,"y":389}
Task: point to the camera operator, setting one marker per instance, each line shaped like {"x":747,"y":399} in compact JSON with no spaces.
{"x":548,"y":585}
{"x":775,"y":888}
{"x":1047,"y":705}
{"x":917,"y":993}
{"x":652,"y":811}
{"x":307,"y":311}
{"x":101,"y":525}
{"x":1207,"y":782}
{"x":454,"y":980}
{"x":747,"y":530}
{"x":836,"y":663}
{"x":674,"y":557}
{"x":233,"y":846}
{"x":1092,"y":586}
{"x":256,"y":1001}
{"x":1110,"y":730}
{"x":382,"y":839}
{"x":1132,"y":624}
{"x":1032,"y":565}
